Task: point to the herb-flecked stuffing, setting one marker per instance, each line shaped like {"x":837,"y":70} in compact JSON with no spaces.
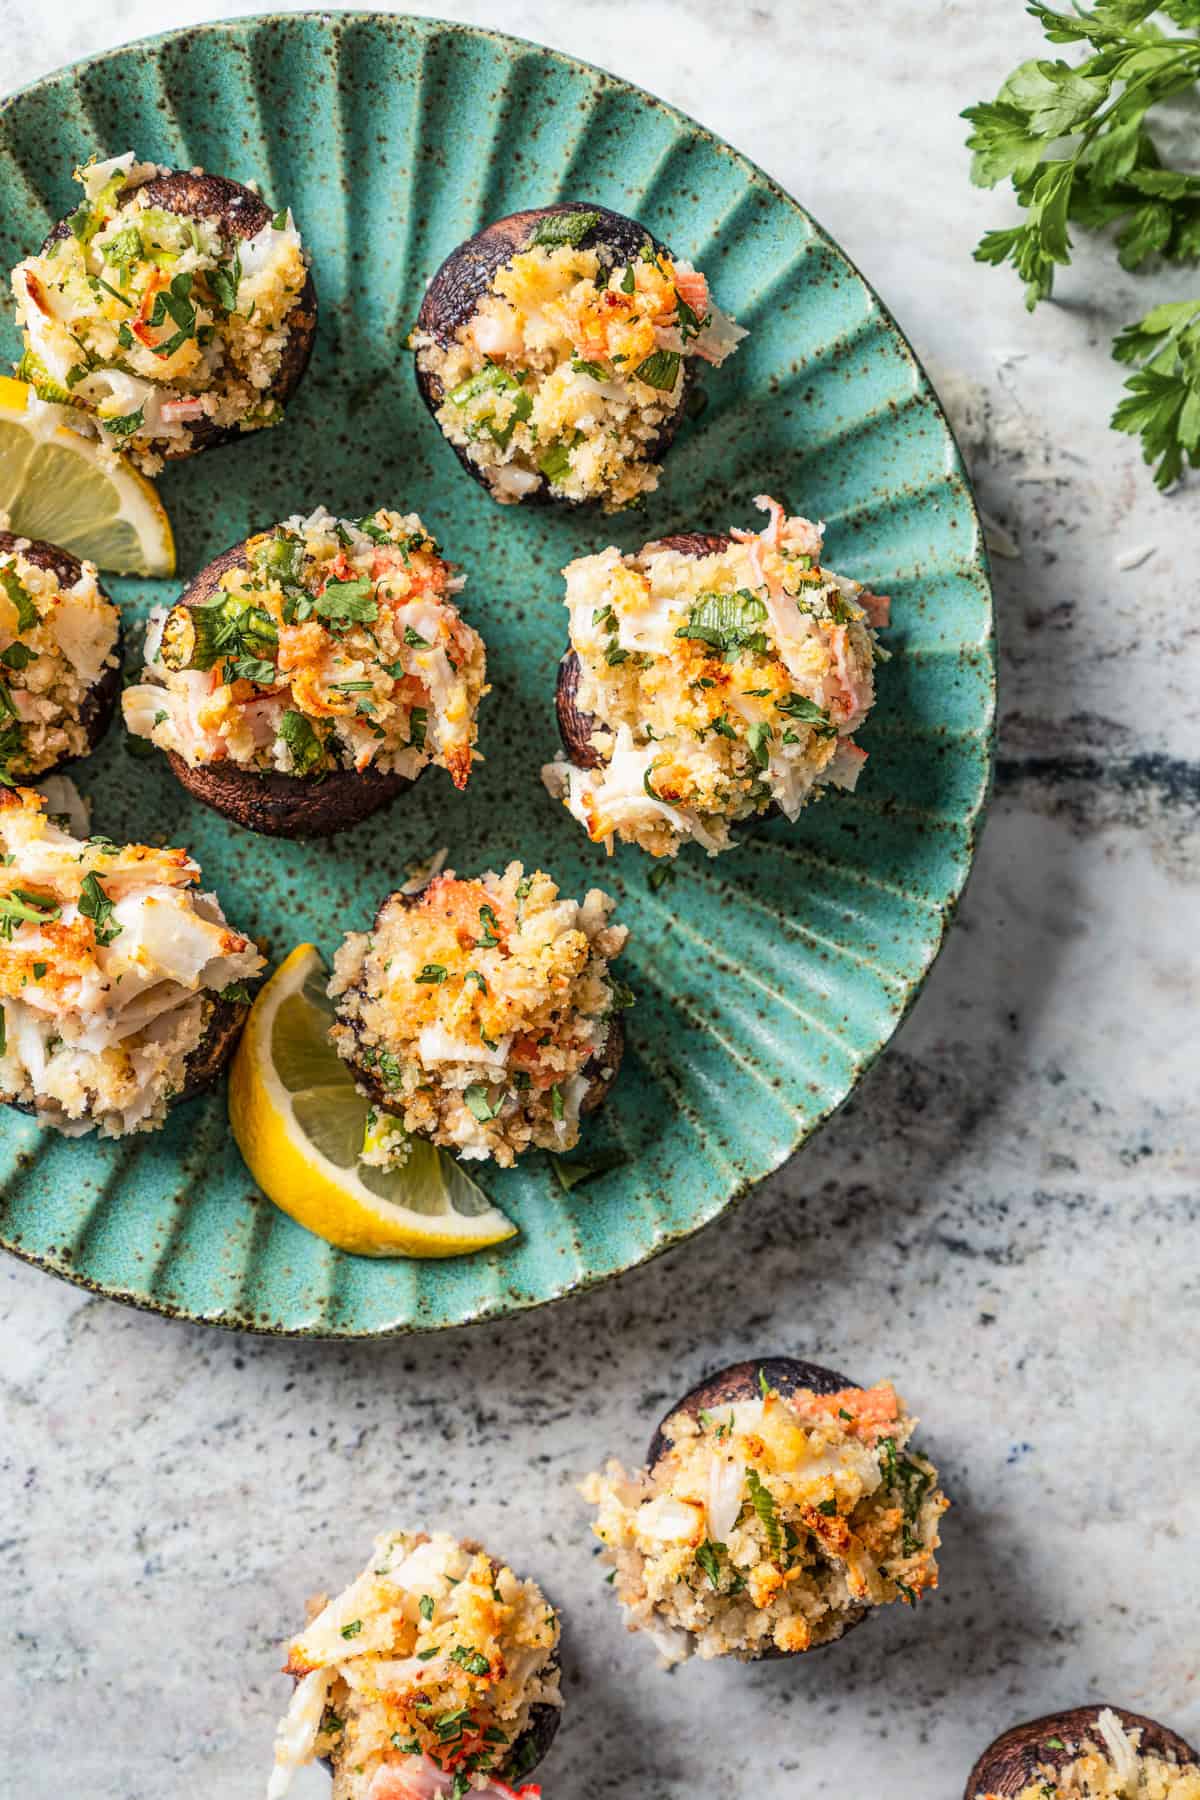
{"x":56,"y":643}
{"x":771,"y":1524}
{"x":420,"y":1680}
{"x":1112,"y":1766}
{"x":337,"y":646}
{"x":482,"y":1011}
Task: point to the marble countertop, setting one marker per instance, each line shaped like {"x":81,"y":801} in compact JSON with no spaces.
{"x":1004,"y":1220}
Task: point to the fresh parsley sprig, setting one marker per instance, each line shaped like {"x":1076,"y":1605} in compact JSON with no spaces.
{"x":1074,"y":140}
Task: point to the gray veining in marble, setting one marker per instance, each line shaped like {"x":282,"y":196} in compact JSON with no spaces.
{"x":1006,"y":1219}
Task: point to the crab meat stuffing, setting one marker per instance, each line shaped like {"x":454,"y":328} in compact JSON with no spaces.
{"x":771,"y":1525}
{"x":338,"y":645}
{"x":423,"y":1678}
{"x":482,"y":1012}
{"x":111,"y":970}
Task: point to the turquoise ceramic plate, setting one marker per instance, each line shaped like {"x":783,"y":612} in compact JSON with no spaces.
{"x":766,"y":981}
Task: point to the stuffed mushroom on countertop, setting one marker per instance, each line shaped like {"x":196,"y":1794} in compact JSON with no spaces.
{"x":779,"y":1505}
{"x":435,"y":1673}
{"x":173,"y":308}
{"x":312,"y":672}
{"x":121,"y":991}
{"x":1087,"y":1753}
{"x":555,"y":349}
{"x":482,"y":1012}
{"x":710,"y":678}
{"x":60,"y":657}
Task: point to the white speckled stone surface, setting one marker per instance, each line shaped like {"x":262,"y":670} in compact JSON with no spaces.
{"x":1006,"y":1220}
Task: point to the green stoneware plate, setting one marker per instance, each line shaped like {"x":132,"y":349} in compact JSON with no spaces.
{"x":768,"y":980}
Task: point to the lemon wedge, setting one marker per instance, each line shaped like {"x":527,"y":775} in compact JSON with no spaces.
{"x":57,"y":484}
{"x":301,"y":1124}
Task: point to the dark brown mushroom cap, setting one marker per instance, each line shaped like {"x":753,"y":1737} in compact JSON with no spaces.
{"x":788,"y":1375}
{"x":222,"y":1030}
{"x":467,"y":274}
{"x":100,"y":701}
{"x":1014,"y":1759}
{"x":575,"y":728}
{"x":241,"y":214}
{"x":274,"y":804}
{"x":599,"y":1082}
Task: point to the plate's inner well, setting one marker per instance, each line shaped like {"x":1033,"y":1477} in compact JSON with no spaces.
{"x":765,"y":980}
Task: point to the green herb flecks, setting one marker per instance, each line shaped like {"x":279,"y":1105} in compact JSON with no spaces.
{"x":94,"y":904}
{"x":728,"y":623}
{"x":478,"y":1102}
{"x":304,"y":746}
{"x":22,"y":599}
{"x":764,"y":1507}
{"x":558,"y":228}
{"x":348,"y":602}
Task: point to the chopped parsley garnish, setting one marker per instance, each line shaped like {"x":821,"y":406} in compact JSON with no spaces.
{"x":491,"y":927}
{"x":237,"y":992}
{"x":759,"y":739}
{"x":415,"y":638}
{"x":709,"y":1558}
{"x":764,"y":1506}
{"x":279,"y":219}
{"x":409,"y":1746}
{"x":24,"y":908}
{"x":352,"y":1629}
{"x":418,"y":719}
{"x":558,"y":228}
{"x":555,"y":463}
{"x":690,"y":323}
{"x":659,"y":875}
{"x":348,"y":602}
{"x":477,"y":1102}
{"x":828,"y":1508}
{"x":425,"y":1607}
{"x":556,"y":1101}
{"x":728,"y":623}
{"x":660,"y":369}
{"x":17,"y":656}
{"x":581,"y":366}
{"x":331,"y":1723}
{"x":174,"y":303}
{"x":94,"y":904}
{"x":251,"y":668}
{"x":764,"y":1386}
{"x":628,"y":280}
{"x":796,"y":706}
{"x":224,"y":283}
{"x":22,"y":599}
{"x":125,"y":424}
{"x":911,"y":1482}
{"x":473,"y":1661}
{"x":432,"y":975}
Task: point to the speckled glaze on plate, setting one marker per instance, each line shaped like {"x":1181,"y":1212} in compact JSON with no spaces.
{"x":767,"y":980}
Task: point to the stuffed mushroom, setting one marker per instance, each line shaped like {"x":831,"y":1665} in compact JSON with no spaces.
{"x":173,"y":308}
{"x":1087,"y":1753}
{"x":710,"y":678}
{"x":121,"y":990}
{"x":780,"y":1503}
{"x":555,"y":349}
{"x":60,"y":658}
{"x":312,"y":672}
{"x":482,"y":1014}
{"x":435,"y":1673}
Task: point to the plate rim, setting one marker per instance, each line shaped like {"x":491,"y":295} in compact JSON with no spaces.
{"x":501,"y":1306}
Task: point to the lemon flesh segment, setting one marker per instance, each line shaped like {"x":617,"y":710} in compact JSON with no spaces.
{"x":299,"y":1122}
{"x":59,"y":485}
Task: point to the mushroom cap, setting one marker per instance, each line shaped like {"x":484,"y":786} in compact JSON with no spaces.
{"x":467,"y":274}
{"x":1011,"y":1761}
{"x":242,"y":214}
{"x":788,"y":1375}
{"x":100,"y":702}
{"x":575,"y":728}
{"x":274,"y":804}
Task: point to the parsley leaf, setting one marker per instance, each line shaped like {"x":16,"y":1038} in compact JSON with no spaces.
{"x":728,"y":622}
{"x":348,"y":602}
{"x":94,"y":904}
{"x":559,"y":228}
